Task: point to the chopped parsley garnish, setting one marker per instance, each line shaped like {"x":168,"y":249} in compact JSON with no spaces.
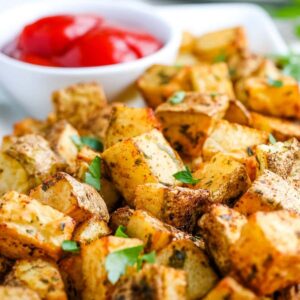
{"x":91,"y":142}
{"x":148,"y":257}
{"x":120,"y":232}
{"x":220,"y":58}
{"x":93,"y":176}
{"x":177,"y":98}
{"x":290,"y":64}
{"x":272,"y":139}
{"x":186,"y":176}
{"x":250,"y":151}
{"x":70,"y":246}
{"x":274,"y":82}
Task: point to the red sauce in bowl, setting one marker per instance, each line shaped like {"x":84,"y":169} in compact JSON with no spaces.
{"x":79,"y":41}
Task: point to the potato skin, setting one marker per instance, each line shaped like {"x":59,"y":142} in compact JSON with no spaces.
{"x":20,"y":293}
{"x":238,"y":113}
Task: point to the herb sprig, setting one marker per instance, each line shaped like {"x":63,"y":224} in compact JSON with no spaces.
{"x":274,"y":82}
{"x":70,"y":246}
{"x":177,"y":98}
{"x":91,"y":142}
{"x":186,"y":176}
{"x":272,"y":139}
{"x":93,"y":175}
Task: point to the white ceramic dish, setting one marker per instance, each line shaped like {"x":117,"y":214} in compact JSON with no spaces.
{"x":262,"y":33}
{"x":31,"y":85}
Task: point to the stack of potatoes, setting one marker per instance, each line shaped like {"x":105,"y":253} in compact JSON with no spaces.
{"x":206,"y":179}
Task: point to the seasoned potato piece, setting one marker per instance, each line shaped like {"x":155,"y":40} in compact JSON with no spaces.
{"x":97,"y":286}
{"x":127,"y":122}
{"x":238,"y":113}
{"x":78,"y":200}
{"x":159,"y":82}
{"x":225,"y":178}
{"x":109,"y":194}
{"x":187,"y":42}
{"x":142,"y":159}
{"x":152,"y":282}
{"x":29,"y":228}
{"x":289,"y":293}
{"x":267,"y":193}
{"x":280,"y":128}
{"x":30,"y":126}
{"x":60,"y":139}
{"x":5,"y":266}
{"x":18,"y":293}
{"x":183,"y":254}
{"x":228,"y":288}
{"x":232,"y":139}
{"x":186,"y":59}
{"x":121,"y":216}
{"x":221,"y":228}
{"x":177,"y":206}
{"x":212,"y":79}
{"x":40,"y":275}
{"x":187,"y":124}
{"x":226,"y":42}
{"x":90,"y":230}
{"x":266,"y":256}
{"x":279,"y":97}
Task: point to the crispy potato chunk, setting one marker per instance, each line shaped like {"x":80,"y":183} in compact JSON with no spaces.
{"x":119,"y":217}
{"x":40,"y":275}
{"x":159,"y":82}
{"x":97,"y":286}
{"x":289,"y":293}
{"x":228,"y":288}
{"x":238,"y":113}
{"x":212,"y":79}
{"x":266,"y":256}
{"x":127,"y":122}
{"x":176,"y":206}
{"x":142,"y":159}
{"x":77,"y":200}
{"x":232,"y":139}
{"x":18,"y":293}
{"x":221,"y":228}
{"x":267,"y":193}
{"x":30,"y":126}
{"x":187,"y":42}
{"x":152,"y":282}
{"x":187,"y":124}
{"x":225,"y":178}
{"x":29,"y":228}
{"x":184,"y":255}
{"x":226,"y":42}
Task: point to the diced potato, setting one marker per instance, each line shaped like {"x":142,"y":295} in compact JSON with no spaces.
{"x":212,"y":79}
{"x":184,"y":255}
{"x":160,"y":81}
{"x":187,"y":124}
{"x":289,"y":293}
{"x":187,"y":42}
{"x":186,"y":59}
{"x":238,"y":113}
{"x":221,"y":228}
{"x":77,"y":200}
{"x":225,"y":43}
{"x":109,"y":194}
{"x":127,"y":122}
{"x":279,"y":97}
{"x":18,"y":293}
{"x":177,"y":206}
{"x":266,"y":256}
{"x":30,"y":126}
{"x":29,"y":228}
{"x":267,"y":193}
{"x":225,"y":178}
{"x":90,"y":230}
{"x":152,"y":282}
{"x":5,"y":266}
{"x":120,"y":217}
{"x":232,"y":139}
{"x":142,"y":159}
{"x":97,"y":286}
{"x":228,"y":288}
{"x":40,"y":275}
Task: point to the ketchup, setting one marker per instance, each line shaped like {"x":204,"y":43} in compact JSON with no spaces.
{"x":79,"y":41}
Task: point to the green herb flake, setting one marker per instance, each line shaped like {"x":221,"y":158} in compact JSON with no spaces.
{"x":91,"y":142}
{"x":186,"y":176}
{"x":272,"y":139}
{"x":120,"y":232}
{"x":70,"y":246}
{"x":220,"y":58}
{"x":177,"y":98}
{"x":250,"y":151}
{"x":93,"y":176}
{"x":274,"y":82}
{"x":148,"y":257}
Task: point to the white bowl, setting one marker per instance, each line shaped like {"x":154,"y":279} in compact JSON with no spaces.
{"x":32,"y":85}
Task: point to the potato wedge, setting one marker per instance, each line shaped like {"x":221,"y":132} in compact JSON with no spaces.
{"x":238,"y":113}
{"x":20,"y":293}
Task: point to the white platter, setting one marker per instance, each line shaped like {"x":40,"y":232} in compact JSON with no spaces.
{"x":197,"y":18}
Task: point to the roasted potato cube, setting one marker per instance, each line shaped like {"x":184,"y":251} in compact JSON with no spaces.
{"x":5,"y":266}
{"x":279,"y":97}
{"x":109,"y":194}
{"x":289,"y":293}
{"x":187,"y":42}
{"x":267,"y":193}
{"x":152,"y":282}
{"x":221,"y":228}
{"x":30,"y":126}
{"x":159,"y":82}
{"x":232,"y":139}
{"x":142,"y":159}
{"x":40,"y":275}
{"x":90,"y":230}
{"x":225,"y":178}
{"x":77,"y":200}
{"x":221,"y":44}
{"x":183,"y":254}
{"x":18,"y":293}
{"x":97,"y":286}
{"x":228,"y":288}
{"x":187,"y":124}
{"x":121,"y":216}
{"x":238,"y":113}
{"x":127,"y":122}
{"x":212,"y":79}
{"x":29,"y":228}
{"x":186,"y":59}
{"x":266,"y":256}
